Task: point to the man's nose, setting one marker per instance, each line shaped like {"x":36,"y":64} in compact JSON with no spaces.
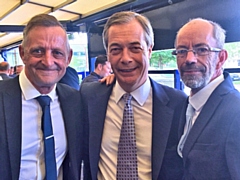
{"x":191,"y":57}
{"x":126,"y":56}
{"x":48,"y":59}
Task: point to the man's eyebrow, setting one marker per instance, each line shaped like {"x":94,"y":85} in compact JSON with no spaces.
{"x":114,"y":44}
{"x":195,"y":45}
{"x":135,"y":43}
{"x":181,"y":46}
{"x":200,"y":44}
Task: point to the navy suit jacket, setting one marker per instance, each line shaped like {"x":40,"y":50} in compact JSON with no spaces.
{"x":4,"y":76}
{"x":212,"y":149}
{"x":167,"y":106}
{"x":70,"y":78}
{"x":10,"y":129}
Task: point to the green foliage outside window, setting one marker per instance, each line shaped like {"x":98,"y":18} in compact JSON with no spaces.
{"x":163,"y":59}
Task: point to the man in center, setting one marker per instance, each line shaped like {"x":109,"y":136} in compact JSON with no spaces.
{"x":152,"y":135}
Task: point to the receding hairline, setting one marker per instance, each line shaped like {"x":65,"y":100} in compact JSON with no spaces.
{"x":218,"y":33}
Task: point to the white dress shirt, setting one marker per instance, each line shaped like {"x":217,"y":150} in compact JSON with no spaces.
{"x":142,"y":110}
{"x":200,"y":98}
{"x":32,"y":153}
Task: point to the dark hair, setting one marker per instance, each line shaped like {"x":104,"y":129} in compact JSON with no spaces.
{"x":125,"y":17}
{"x":4,"y":66}
{"x":42,"y":20}
{"x":101,"y":59}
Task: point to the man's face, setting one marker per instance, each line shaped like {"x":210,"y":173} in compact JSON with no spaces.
{"x":197,"y":71}
{"x":45,"y":56}
{"x":128,"y":54}
{"x":106,"y":69}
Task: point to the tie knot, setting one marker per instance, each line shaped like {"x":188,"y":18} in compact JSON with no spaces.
{"x":43,"y":100}
{"x":127,"y":98}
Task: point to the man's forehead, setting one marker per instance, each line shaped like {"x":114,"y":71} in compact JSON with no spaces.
{"x":197,"y":25}
{"x":195,"y":32}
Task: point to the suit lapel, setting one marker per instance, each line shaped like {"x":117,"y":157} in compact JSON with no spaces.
{"x":182,"y":119}
{"x":160,"y":127}
{"x":68,"y":116}
{"x":206,"y":113}
{"x":12,"y":103}
{"x":71,"y":110}
{"x":97,"y":106}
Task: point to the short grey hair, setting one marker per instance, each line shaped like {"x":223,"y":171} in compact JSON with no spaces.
{"x":125,"y":17}
{"x":219,"y":34}
{"x":42,"y":20}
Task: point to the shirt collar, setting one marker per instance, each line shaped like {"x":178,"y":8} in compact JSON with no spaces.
{"x":201,"y":97}
{"x":140,"y":94}
{"x":29,"y":91}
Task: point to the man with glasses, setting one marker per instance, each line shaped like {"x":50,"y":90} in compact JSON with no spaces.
{"x":210,"y":130}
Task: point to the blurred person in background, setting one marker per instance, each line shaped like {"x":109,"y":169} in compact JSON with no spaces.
{"x":4,"y":70}
{"x":102,"y":69}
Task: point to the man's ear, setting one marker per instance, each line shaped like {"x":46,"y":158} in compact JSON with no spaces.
{"x":69,"y":56}
{"x":150,"y":51}
{"x":99,"y":67}
{"x":222,"y":55}
{"x":21,"y":53}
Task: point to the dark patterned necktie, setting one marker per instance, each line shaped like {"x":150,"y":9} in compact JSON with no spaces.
{"x":127,"y":149}
{"x":49,"y":147}
{"x":189,"y":115}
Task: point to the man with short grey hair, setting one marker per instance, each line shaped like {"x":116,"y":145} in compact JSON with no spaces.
{"x":4,"y":70}
{"x":131,"y":124}
{"x":210,"y":129}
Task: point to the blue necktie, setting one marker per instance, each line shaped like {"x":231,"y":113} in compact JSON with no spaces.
{"x":189,"y":115}
{"x":49,"y":147}
{"x":127,"y":167}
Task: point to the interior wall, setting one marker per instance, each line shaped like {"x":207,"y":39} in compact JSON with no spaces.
{"x":167,"y":20}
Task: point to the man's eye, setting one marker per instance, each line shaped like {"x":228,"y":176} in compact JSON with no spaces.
{"x":57,"y":54}
{"x":202,"y":50}
{"x":37,"y":52}
{"x":115,"y":50}
{"x":181,"y":51}
{"x":136,"y":49}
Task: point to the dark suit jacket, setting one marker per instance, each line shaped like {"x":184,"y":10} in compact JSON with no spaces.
{"x":92,"y":77}
{"x":212,"y":149}
{"x":167,"y":105}
{"x":71,"y":78}
{"x":4,"y":76}
{"x":10,"y":129}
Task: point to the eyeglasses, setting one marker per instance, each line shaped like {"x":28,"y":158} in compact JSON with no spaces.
{"x":200,"y":51}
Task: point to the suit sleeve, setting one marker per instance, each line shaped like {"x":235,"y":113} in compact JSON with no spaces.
{"x":233,"y":148}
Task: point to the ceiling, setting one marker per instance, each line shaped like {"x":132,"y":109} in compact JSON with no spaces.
{"x":14,"y":14}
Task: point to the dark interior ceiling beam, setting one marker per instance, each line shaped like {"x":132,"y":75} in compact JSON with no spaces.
{"x":139,"y":6}
{"x":11,"y":28}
